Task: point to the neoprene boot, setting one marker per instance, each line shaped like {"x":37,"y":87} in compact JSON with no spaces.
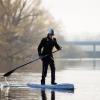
{"x":43,"y":82}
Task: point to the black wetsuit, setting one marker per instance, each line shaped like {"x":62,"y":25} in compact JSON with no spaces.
{"x":45,"y":48}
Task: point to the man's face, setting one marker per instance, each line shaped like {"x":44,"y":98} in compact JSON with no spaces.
{"x":51,"y":36}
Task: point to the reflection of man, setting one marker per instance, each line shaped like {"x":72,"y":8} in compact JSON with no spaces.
{"x":45,"y":48}
{"x":43,"y":94}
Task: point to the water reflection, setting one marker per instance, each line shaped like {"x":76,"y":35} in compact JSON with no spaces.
{"x":19,"y":94}
{"x":5,"y":94}
{"x":87,"y":86}
{"x":44,"y":97}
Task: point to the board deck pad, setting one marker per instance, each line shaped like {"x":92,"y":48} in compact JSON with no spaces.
{"x":58,"y":87}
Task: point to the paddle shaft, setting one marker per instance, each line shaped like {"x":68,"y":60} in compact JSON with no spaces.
{"x":10,"y":72}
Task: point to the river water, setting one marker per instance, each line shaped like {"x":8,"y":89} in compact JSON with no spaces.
{"x":85,"y":76}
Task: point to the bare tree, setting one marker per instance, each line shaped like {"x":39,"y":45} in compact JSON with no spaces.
{"x":22,"y":23}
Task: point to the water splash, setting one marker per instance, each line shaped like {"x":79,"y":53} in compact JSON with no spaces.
{"x":1,"y":84}
{"x":4,"y":90}
{"x":7,"y":81}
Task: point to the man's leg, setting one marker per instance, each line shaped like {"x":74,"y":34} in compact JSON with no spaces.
{"x":44,"y":71}
{"x":52,"y":66}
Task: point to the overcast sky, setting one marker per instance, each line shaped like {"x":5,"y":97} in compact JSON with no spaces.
{"x":80,"y":18}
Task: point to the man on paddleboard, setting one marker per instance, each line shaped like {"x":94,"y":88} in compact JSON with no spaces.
{"x":45,"y":48}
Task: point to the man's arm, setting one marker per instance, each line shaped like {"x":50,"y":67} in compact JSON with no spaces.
{"x":40,"y":47}
{"x":57,"y":46}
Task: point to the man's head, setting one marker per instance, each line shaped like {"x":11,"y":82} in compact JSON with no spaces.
{"x":51,"y":32}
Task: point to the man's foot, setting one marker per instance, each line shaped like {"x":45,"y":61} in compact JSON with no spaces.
{"x":42,"y":82}
{"x":54,"y":83}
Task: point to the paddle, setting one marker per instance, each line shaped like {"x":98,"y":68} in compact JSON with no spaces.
{"x":10,"y":72}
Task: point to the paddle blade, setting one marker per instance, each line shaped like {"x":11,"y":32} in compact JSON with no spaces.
{"x":8,"y":73}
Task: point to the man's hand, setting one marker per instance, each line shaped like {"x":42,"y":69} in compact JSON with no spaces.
{"x":60,"y":48}
{"x":41,"y":57}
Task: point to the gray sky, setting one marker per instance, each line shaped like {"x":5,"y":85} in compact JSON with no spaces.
{"x":80,"y":18}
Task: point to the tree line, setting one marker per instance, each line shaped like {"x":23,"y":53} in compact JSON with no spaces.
{"x":22,"y":24}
